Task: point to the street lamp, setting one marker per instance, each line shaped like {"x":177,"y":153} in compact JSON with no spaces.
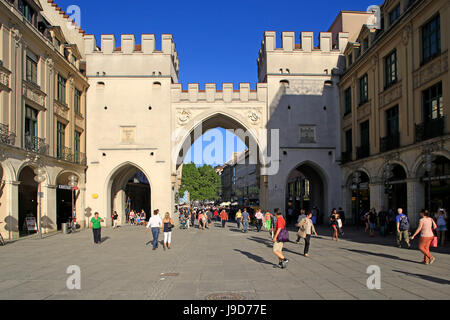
{"x":428,"y":166}
{"x":73,"y":182}
{"x":39,"y":178}
{"x":357,"y":181}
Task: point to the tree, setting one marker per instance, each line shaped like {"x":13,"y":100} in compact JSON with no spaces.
{"x":203,"y":183}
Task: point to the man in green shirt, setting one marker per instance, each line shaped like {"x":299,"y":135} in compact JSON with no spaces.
{"x":96,"y":228}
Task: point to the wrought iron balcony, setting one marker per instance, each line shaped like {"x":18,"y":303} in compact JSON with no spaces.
{"x":363,"y":152}
{"x":64,"y":154}
{"x":80,"y":158}
{"x":346,"y":157}
{"x":430,"y":129}
{"x":7,"y":137}
{"x":390,"y":142}
{"x":36,"y":145}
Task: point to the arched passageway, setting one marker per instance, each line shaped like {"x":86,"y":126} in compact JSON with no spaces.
{"x":28,"y":199}
{"x":398,"y":197}
{"x":305,"y":190}
{"x":129,"y":189}
{"x":66,"y":199}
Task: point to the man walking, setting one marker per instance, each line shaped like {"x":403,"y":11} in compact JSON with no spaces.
{"x":278,"y":245}
{"x":299,"y":220}
{"x":224,"y":217}
{"x":245,"y":220}
{"x":402,"y":228}
{"x":155,"y":223}
{"x":97,"y":228}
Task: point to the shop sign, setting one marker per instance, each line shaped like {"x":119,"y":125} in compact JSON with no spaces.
{"x":31,"y":223}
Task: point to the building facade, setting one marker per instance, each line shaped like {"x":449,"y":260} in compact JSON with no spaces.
{"x":42,"y":115}
{"x":394,"y":111}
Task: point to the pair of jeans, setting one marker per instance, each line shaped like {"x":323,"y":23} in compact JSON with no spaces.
{"x":307,"y":242}
{"x":245,"y":224}
{"x":97,"y":235}
{"x":223,"y":223}
{"x":238,"y":221}
{"x":424,"y":247}
{"x":258,"y":225}
{"x":155,"y":233}
{"x":383,"y":230}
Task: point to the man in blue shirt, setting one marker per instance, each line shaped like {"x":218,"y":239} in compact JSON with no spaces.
{"x":245,"y":220}
{"x":402,"y":228}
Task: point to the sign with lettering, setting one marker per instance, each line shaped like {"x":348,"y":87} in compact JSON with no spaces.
{"x":31,"y":223}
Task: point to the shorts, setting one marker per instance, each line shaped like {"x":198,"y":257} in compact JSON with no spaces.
{"x":278,"y":246}
{"x":442,"y":228}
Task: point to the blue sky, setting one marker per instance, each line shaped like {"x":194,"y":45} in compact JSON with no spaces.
{"x":217,"y":41}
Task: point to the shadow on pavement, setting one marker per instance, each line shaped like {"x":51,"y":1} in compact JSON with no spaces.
{"x":424,"y":277}
{"x":105,"y":239}
{"x":382,"y":255}
{"x":254,"y":257}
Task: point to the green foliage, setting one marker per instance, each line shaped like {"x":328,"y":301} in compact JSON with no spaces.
{"x":203,"y":183}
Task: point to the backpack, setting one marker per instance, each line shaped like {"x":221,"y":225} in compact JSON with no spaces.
{"x":404,"y":223}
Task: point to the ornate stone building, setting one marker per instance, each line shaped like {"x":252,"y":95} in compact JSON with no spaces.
{"x":42,"y":115}
{"x":394,"y":110}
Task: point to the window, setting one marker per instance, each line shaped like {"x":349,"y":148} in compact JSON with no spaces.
{"x":77,"y":146}
{"x":363,"y":89}
{"x":394,"y":14}
{"x":365,"y":44}
{"x":60,"y":139}
{"x":364,"y":131}
{"x":390,"y":71}
{"x":433,"y":104}
{"x":26,"y":10}
{"x":431,"y":39}
{"x":392,"y":127}
{"x":348,"y":101}
{"x":348,"y":141}
{"x":31,"y":117}
{"x":31,"y":67}
{"x":77,"y":102}
{"x":350,"y":59}
{"x":61,"y":89}
{"x":57,"y":44}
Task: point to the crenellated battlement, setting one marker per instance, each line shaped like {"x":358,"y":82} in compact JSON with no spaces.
{"x":141,"y":59}
{"x":228,"y":94}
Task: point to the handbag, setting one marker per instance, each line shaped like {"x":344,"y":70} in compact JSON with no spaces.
{"x":434,"y":243}
{"x":283,"y":236}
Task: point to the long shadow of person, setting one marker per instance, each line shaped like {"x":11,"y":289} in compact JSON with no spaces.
{"x":254,"y":257}
{"x":425,"y":277}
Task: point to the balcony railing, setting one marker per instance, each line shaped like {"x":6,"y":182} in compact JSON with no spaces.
{"x":430,"y":129}
{"x":36,"y":145}
{"x":390,"y":142}
{"x":7,"y":137}
{"x":346,"y":157}
{"x":363,"y":152}
{"x":80,"y":158}
{"x":65,"y":154}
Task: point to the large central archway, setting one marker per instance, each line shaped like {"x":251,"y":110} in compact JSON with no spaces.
{"x":129,"y":189}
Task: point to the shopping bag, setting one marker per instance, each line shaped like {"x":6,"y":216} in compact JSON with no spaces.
{"x":434,"y":243}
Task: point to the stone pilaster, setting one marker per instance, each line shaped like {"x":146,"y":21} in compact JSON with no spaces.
{"x":11,"y":221}
{"x":378,"y":198}
{"x":416,"y":200}
{"x":48,"y":207}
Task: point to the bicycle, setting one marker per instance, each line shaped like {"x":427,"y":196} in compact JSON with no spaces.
{"x":72,"y":227}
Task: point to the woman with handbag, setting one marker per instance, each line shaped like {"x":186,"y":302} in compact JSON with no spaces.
{"x":168,"y":225}
{"x":306,"y":228}
{"x":426,"y":227}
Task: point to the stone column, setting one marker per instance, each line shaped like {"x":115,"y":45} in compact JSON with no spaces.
{"x":347,"y":204}
{"x":11,"y":221}
{"x":80,"y":207}
{"x":378,"y":198}
{"x":48,"y":207}
{"x":416,"y":200}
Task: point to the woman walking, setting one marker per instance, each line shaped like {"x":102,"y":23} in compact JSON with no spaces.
{"x":238,"y":218}
{"x":426,"y":227}
{"x":441,"y":219}
{"x":259,"y":220}
{"x":168,"y":225}
{"x":97,"y":228}
{"x":267,"y":221}
{"x":306,"y":229}
{"x":334,"y":225}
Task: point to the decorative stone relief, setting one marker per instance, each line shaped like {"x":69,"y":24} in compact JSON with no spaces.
{"x":50,"y":65}
{"x":183,"y":116}
{"x":34,"y":95}
{"x":364,"y":111}
{"x":347,"y":122}
{"x":406,"y":34}
{"x":431,"y":70}
{"x":4,"y":77}
{"x":390,"y":95}
{"x":61,"y":110}
{"x":17,"y":36}
{"x":254,"y":116}
{"x":307,"y":134}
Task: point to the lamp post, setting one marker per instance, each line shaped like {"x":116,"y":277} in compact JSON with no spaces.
{"x":428,"y":166}
{"x":357,"y":181}
{"x":39,"y":178}
{"x":73,"y":182}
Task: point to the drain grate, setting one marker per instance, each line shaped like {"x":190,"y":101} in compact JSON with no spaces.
{"x":169,"y":274}
{"x":225,"y":296}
